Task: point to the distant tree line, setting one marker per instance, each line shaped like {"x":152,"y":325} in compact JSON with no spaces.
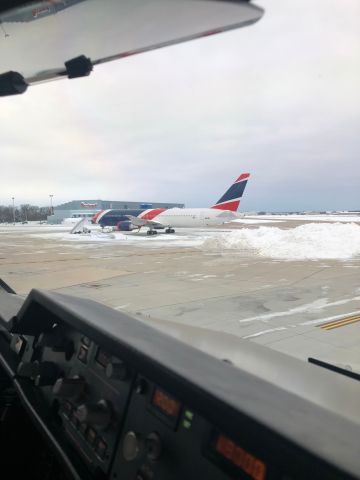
{"x":23,"y":213}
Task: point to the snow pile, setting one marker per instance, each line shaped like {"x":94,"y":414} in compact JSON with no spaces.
{"x":92,"y":237}
{"x":310,"y":241}
{"x":350,"y":217}
{"x":95,"y":237}
{"x":255,"y":221}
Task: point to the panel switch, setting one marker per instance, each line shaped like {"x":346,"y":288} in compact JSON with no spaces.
{"x":69,"y":388}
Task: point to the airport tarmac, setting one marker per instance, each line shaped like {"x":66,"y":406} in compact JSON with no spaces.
{"x":198,"y":284}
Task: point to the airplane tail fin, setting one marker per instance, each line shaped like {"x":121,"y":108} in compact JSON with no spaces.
{"x":231,"y":198}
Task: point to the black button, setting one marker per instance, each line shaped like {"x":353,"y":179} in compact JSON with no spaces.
{"x":86,"y":341}
{"x":141,"y":386}
{"x":91,"y":436}
{"x":101,"y":448}
{"x":82,"y":356}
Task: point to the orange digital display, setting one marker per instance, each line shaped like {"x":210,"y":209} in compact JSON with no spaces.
{"x":239,"y":457}
{"x":166,"y":404}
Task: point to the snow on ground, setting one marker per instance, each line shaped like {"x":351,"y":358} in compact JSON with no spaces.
{"x":254,"y":221}
{"x":92,"y":237}
{"x":306,"y":242}
{"x":311,"y":241}
{"x":32,"y":227}
{"x":308,"y":217}
{"x":185,"y":238}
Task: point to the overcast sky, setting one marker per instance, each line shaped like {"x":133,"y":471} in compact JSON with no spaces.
{"x":279,"y":99}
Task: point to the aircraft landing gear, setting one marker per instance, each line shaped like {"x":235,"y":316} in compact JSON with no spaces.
{"x":169,"y":230}
{"x":151,"y":232}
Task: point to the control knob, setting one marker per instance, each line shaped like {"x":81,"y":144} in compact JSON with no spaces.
{"x":131,"y":446}
{"x":98,"y":414}
{"x":153,"y":446}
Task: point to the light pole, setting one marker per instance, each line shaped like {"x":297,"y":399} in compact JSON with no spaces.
{"x":51,"y":206}
{"x":13,"y":200}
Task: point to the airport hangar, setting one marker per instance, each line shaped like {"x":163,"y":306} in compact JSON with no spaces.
{"x":88,"y":208}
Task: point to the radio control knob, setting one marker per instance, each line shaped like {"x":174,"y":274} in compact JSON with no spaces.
{"x":153,"y":446}
{"x":131,"y":446}
{"x":69,"y":388}
{"x":98,"y":414}
{"x":117,"y":371}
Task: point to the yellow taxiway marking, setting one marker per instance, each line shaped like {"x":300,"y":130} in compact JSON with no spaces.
{"x":340,"y":323}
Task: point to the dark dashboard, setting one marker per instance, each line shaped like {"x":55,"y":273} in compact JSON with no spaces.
{"x":113,"y":397}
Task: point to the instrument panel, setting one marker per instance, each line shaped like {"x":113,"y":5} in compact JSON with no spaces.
{"x":121,"y":400}
{"x":90,"y":390}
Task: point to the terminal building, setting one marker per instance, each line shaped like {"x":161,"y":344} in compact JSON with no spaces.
{"x":88,"y":208}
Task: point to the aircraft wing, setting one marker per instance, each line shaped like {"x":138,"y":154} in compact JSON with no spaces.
{"x":142,"y":222}
{"x":228,"y":216}
{"x":50,"y":39}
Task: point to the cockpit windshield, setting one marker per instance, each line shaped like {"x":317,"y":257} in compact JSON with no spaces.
{"x":127,"y":186}
{"x":179,"y":239}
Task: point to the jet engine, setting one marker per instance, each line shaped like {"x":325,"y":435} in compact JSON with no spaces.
{"x":125,"y":226}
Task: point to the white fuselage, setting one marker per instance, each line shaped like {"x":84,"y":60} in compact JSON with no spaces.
{"x":195,"y":217}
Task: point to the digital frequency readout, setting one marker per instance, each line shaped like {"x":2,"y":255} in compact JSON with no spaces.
{"x":166,"y":405}
{"x":240,"y":458}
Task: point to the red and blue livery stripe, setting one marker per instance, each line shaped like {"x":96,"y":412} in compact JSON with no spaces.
{"x":151,"y":213}
{"x":231,"y":198}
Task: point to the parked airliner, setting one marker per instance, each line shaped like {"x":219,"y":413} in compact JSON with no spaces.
{"x":154,"y":219}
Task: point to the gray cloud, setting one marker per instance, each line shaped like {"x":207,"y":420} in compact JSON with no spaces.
{"x":279,"y":99}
